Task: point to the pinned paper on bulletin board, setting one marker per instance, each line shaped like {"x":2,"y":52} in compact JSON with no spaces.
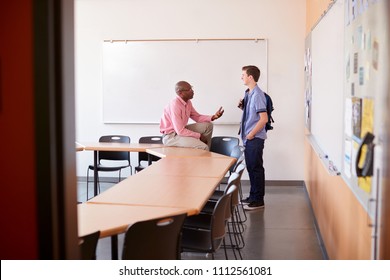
{"x":348,"y":158}
{"x":367,"y":116}
{"x":356,"y":116}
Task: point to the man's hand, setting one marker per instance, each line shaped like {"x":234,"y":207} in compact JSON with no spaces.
{"x":218,"y":114}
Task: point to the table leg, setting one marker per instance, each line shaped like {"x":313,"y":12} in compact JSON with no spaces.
{"x":149,"y":159}
{"x":95,"y":173}
{"x":114,"y":247}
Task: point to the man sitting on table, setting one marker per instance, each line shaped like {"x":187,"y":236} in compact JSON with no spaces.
{"x":174,"y":122}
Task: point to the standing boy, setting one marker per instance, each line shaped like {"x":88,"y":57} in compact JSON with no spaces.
{"x":253,"y":135}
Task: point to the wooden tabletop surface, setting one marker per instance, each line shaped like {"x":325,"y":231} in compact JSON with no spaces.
{"x":191,"y":166}
{"x":190,"y":193}
{"x":181,"y":152}
{"x":131,"y":147}
{"x":113,"y":219}
{"x":181,"y":182}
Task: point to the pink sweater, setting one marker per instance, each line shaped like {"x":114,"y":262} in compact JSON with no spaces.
{"x":176,"y":116}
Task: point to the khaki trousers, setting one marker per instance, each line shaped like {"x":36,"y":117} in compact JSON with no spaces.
{"x":205,"y":128}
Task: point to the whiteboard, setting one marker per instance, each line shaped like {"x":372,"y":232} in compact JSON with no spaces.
{"x":139,"y":77}
{"x":328,"y":83}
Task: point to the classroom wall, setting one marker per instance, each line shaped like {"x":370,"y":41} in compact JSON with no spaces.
{"x":314,"y":10}
{"x":342,"y":221}
{"x":282,"y":22}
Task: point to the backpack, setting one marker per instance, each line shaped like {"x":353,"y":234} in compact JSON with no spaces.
{"x":270,"y":108}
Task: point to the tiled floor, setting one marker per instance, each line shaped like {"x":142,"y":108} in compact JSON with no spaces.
{"x":283,"y":230}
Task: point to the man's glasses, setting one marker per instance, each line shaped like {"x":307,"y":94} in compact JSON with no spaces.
{"x":191,"y":88}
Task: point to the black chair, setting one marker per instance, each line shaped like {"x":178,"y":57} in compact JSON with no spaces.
{"x":241,"y":216}
{"x":238,"y":154}
{"x":143,"y":156}
{"x":88,"y":244}
{"x":206,"y":233}
{"x":240,"y":170}
{"x":109,"y":161}
{"x":157,"y":239}
{"x":223,"y":144}
{"x":236,"y":219}
{"x":235,"y":227}
{"x":234,"y":179}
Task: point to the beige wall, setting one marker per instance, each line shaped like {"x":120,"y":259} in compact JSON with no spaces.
{"x":314,"y":10}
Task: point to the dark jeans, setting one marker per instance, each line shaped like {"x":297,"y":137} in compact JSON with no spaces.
{"x":254,"y":164}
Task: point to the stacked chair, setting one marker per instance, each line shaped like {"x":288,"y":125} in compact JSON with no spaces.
{"x":236,"y":222}
{"x":206,"y":232}
{"x":233,"y":221}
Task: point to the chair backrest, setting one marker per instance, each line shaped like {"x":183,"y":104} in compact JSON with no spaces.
{"x":218,"y":222}
{"x":142,"y":156}
{"x":109,"y":155}
{"x":223,"y":144}
{"x":238,"y":153}
{"x":234,"y":180}
{"x":240,"y":169}
{"x":157,"y":239}
{"x":88,"y":244}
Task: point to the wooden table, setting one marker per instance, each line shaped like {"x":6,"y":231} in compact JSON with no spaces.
{"x":79,"y":147}
{"x":190,"y":193}
{"x":178,"y":183}
{"x":113,"y":219}
{"x":215,"y":167}
{"x":119,"y":147}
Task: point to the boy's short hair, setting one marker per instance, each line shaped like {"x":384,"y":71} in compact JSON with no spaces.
{"x":253,"y":71}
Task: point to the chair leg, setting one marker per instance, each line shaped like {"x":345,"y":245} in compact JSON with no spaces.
{"x":238,"y":230}
{"x":231,"y":240}
{"x":235,"y":233}
{"x":98,"y":181}
{"x":224,"y":248}
{"x":87,"y":182}
{"x":238,"y":219}
{"x":240,"y":223}
{"x":240,"y":191}
{"x":241,"y":205}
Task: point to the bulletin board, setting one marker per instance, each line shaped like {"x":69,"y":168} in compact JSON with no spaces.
{"x":366,"y":76}
{"x":348,"y":88}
